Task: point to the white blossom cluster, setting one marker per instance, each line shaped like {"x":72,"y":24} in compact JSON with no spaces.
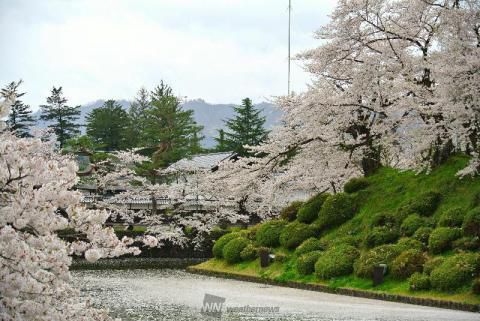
{"x":37,"y":201}
{"x":392,"y":79}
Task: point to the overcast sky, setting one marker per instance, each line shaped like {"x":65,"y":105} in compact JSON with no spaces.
{"x":218,"y":50}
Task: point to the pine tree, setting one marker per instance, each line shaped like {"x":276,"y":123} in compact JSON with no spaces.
{"x":246,"y":128}
{"x":61,"y":116}
{"x":137,"y":114}
{"x":20,"y":117}
{"x":108,"y":126}
{"x":170,"y":130}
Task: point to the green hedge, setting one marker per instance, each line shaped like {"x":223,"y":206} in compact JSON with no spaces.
{"x":432,"y":264}
{"x":289,"y":213}
{"x":268,"y":233}
{"x":355,"y":184}
{"x":408,"y":243}
{"x":471,"y":223}
{"x":220,"y":244}
{"x":423,"y":234}
{"x":455,"y":272}
{"x":336,"y":261}
{"x":233,"y":249}
{"x":309,"y":211}
{"x":441,"y":239}
{"x":407,"y":263}
{"x":249,"y":253}
{"x":337,"y":209}
{"x":467,"y":243}
{"x":383,"y":219}
{"x":452,"y":217}
{"x":381,"y":235}
{"x":309,"y":245}
{"x":383,"y":254}
{"x":294,"y":234}
{"x":425,"y":204}
{"x":419,"y":282}
{"x":306,"y":262}
{"x":411,"y":224}
{"x":353,"y":240}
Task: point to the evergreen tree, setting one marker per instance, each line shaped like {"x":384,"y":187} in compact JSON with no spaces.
{"x":20,"y":117}
{"x":222,"y":145}
{"x":137,"y":114}
{"x":108,"y":126}
{"x":246,"y":128}
{"x":169,"y":129}
{"x":61,"y":116}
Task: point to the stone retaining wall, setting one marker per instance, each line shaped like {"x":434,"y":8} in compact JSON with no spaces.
{"x":136,"y":263}
{"x":343,"y":291}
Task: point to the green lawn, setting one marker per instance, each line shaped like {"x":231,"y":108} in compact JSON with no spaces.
{"x":388,"y":191}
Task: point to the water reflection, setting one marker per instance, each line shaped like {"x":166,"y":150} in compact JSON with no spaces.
{"x":147,"y":295}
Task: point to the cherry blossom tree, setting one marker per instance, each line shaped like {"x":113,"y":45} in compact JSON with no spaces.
{"x":394,"y":83}
{"x":37,"y":201}
{"x":183,"y":212}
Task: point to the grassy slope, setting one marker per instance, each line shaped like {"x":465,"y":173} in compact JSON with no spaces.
{"x":389,"y":189}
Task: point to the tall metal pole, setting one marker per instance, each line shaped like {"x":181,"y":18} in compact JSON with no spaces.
{"x":289,"y":46}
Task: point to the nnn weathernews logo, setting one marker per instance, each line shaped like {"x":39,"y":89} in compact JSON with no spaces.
{"x":213,"y":306}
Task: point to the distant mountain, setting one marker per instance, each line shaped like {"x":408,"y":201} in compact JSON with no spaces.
{"x":210,"y":116}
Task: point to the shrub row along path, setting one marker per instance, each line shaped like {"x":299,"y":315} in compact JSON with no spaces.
{"x":176,"y":295}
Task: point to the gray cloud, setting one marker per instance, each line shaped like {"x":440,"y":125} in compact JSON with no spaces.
{"x":218,"y":50}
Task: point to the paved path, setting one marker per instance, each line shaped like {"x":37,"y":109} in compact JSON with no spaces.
{"x":146,"y":295}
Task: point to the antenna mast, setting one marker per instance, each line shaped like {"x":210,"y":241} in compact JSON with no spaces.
{"x":289,"y":41}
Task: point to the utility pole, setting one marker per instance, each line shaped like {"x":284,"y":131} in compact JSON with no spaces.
{"x":289,"y":46}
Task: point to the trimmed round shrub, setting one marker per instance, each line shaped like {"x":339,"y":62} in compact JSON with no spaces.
{"x":309,"y":211}
{"x":381,"y":235}
{"x":383,"y":254}
{"x":289,"y":213}
{"x":455,"y":272}
{"x":441,"y":239}
{"x":306,"y":262}
{"x":268,"y":233}
{"x":476,"y":286}
{"x":425,"y":204}
{"x":419,"y":282}
{"x":407,"y":263}
{"x":336,"y":261}
{"x":423,"y":234}
{"x":467,"y":243}
{"x":249,"y":253}
{"x":411,"y":224}
{"x":233,"y":249}
{"x":432,"y":263}
{"x":294,"y":234}
{"x":309,"y":245}
{"x":383,"y":220}
{"x":408,"y":243}
{"x":337,"y":209}
{"x":452,"y":217}
{"x":353,"y":240}
{"x":471,"y":223}
{"x":355,"y":184}
{"x":220,"y":244}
